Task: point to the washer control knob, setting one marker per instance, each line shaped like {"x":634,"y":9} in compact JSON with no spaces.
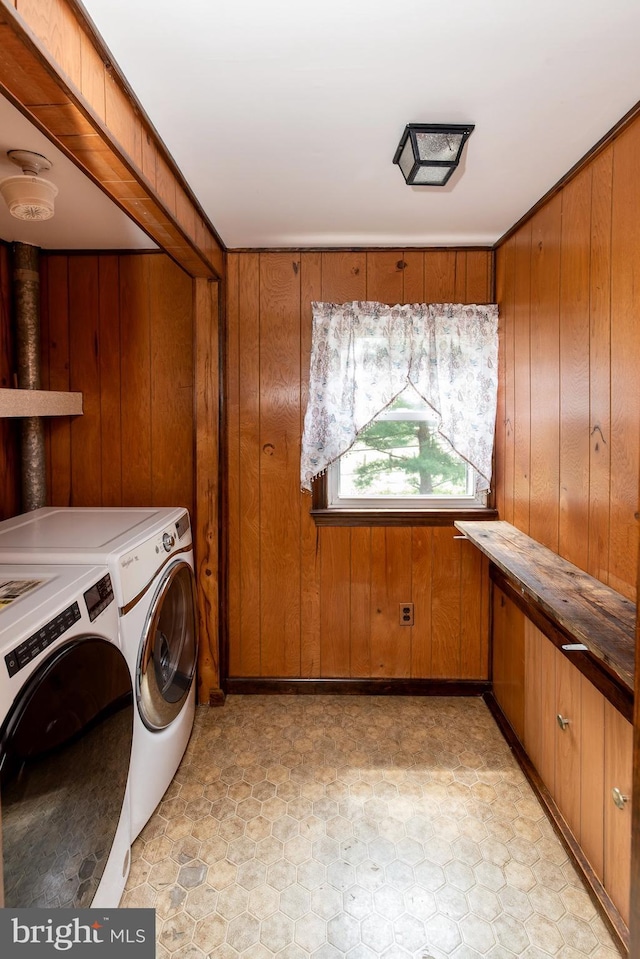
{"x":168,"y":541}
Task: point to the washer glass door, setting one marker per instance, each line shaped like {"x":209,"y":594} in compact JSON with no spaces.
{"x":64,"y":763}
{"x":169,"y":647}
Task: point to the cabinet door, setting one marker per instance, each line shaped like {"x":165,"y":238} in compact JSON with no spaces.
{"x":540,"y":702}
{"x":592,"y":776}
{"x":532,"y":694}
{"x":568,"y":741}
{"x":508,"y":660}
{"x":618,"y":765}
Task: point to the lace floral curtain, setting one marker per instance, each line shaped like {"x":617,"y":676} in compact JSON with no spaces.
{"x":364,"y":355}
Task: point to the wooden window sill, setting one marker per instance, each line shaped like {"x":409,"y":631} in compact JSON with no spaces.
{"x":400,"y":517}
{"x":324,"y":515}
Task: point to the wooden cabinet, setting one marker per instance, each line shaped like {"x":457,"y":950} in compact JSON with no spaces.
{"x":592,"y":776}
{"x":577,"y":740}
{"x":618,"y":763}
{"x":540,"y":703}
{"x":508,"y":660}
{"x":567,"y":739}
{"x":563,"y":667}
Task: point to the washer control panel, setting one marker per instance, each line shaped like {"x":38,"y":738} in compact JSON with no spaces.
{"x":98,"y":597}
{"x":47,"y":634}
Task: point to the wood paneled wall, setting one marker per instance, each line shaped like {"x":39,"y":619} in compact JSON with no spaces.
{"x":9,"y":428}
{"x":568,"y":435}
{"x":119,"y":328}
{"x":307,"y":602}
{"x":127,"y":330}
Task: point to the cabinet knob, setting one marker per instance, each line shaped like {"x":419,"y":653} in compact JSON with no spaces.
{"x":562,"y":722}
{"x":618,"y":798}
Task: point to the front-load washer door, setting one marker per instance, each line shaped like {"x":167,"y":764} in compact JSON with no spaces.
{"x":169,"y":648}
{"x":65,"y":748}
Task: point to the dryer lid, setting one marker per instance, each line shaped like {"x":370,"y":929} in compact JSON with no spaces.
{"x":73,"y":528}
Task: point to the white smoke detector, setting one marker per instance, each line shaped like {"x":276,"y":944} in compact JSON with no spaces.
{"x":29,"y":197}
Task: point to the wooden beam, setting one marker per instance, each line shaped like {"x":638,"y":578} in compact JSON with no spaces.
{"x":58,"y":72}
{"x":207,"y":416}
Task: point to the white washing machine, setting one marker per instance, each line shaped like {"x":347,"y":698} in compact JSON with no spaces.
{"x":149,"y":554}
{"x":66,"y":730}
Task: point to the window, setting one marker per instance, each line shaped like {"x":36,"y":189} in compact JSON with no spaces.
{"x":401,"y":399}
{"x":400,"y":461}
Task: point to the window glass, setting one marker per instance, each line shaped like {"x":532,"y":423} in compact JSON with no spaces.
{"x":400,"y":460}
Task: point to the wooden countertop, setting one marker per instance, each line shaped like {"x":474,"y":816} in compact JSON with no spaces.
{"x":584,"y":608}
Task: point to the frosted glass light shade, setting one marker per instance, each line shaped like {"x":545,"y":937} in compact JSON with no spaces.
{"x":29,"y":197}
{"x":428,"y":153}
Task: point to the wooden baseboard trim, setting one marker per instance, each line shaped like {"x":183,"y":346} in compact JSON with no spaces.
{"x":601,"y":899}
{"x":216,"y":697}
{"x":359,"y":687}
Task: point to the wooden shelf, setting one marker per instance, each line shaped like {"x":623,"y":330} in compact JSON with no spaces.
{"x":39,"y":403}
{"x":582,"y":607}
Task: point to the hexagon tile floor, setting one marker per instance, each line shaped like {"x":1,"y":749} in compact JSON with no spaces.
{"x":330,"y":827}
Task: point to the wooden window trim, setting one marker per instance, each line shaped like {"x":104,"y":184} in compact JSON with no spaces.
{"x":324,"y":516}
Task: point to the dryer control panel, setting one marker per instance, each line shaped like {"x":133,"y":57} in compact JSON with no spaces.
{"x":140,"y":565}
{"x":182,"y":526}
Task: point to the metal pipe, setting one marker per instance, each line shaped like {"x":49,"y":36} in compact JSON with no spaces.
{"x":26,"y":291}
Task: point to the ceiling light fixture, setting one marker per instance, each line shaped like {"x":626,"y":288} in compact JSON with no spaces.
{"x":29,"y":197}
{"x":428,"y":153}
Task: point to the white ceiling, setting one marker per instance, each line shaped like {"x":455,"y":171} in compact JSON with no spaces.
{"x":284,"y":115}
{"x":84,"y":218}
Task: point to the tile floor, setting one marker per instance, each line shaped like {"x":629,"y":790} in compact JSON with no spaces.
{"x":330,"y":827}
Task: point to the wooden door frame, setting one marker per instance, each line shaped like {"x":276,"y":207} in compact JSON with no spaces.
{"x":634,"y":911}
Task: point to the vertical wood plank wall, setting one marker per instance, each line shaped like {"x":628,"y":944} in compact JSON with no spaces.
{"x":9,"y":428}
{"x":568,"y":432}
{"x":307,"y":602}
{"x":120,"y":329}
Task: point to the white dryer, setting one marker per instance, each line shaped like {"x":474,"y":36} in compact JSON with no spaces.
{"x":149,"y":554}
{"x":66,"y":728}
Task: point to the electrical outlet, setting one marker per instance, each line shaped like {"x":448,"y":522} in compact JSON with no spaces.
{"x":406,"y":614}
